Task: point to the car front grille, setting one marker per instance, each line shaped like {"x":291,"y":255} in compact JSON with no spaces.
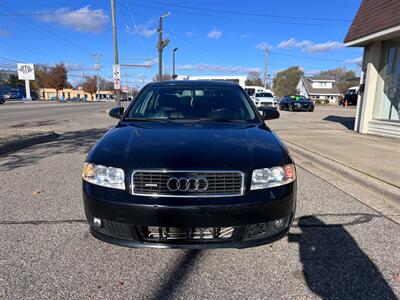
{"x":192,"y":183}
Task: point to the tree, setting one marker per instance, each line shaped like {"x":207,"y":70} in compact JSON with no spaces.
{"x":165,"y":76}
{"x":42,"y":76}
{"x":134,"y":92}
{"x":13,"y":81}
{"x":286,"y":81}
{"x":106,"y":85}
{"x":253,"y":78}
{"x":58,"y":77}
{"x":90,"y":85}
{"x":344,"y":78}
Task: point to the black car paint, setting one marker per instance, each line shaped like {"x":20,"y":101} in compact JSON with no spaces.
{"x":189,"y":146}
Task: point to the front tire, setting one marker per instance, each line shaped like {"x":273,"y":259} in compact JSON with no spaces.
{"x":291,"y":108}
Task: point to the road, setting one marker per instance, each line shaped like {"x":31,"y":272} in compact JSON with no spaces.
{"x":338,"y":247}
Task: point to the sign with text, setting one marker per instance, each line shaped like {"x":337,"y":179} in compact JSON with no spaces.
{"x":116,"y":72}
{"x":125,"y":89}
{"x":117,"y":84}
{"x":26,"y":72}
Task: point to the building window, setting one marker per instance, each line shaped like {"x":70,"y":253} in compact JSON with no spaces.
{"x":387,"y":103}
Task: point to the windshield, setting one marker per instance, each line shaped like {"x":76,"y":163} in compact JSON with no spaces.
{"x":269,"y":95}
{"x":299,"y":98}
{"x":182,"y":102}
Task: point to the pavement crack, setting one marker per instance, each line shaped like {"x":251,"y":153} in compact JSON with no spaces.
{"x":42,"y":222}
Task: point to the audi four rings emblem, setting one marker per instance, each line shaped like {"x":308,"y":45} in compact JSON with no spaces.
{"x":191,"y":184}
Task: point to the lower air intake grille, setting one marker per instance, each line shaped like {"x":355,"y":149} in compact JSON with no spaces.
{"x":198,"y":234}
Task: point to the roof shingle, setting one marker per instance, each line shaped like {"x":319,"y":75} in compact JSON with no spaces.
{"x":374,"y":16}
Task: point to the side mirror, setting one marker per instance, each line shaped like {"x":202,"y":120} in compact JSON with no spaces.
{"x":116,"y":112}
{"x":269,"y":113}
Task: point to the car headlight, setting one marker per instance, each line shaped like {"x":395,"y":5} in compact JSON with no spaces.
{"x":272,"y":177}
{"x":104,"y":176}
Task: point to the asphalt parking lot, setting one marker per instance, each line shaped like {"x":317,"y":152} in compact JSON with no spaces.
{"x":338,"y":248}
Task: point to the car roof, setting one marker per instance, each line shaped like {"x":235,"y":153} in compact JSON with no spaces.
{"x":193,"y":83}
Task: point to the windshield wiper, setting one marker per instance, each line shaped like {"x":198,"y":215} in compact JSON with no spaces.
{"x":222,"y":120}
{"x":148,"y":120}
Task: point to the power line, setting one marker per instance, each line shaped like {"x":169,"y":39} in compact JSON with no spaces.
{"x":48,"y":14}
{"x":250,"y":13}
{"x":195,"y":12}
{"x":9,"y":59}
{"x":135,"y":26}
{"x":45,"y":31}
{"x":306,"y":57}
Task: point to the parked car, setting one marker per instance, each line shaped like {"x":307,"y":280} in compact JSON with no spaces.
{"x":190,"y":164}
{"x":293,"y":103}
{"x":351,"y":96}
{"x":265,"y":99}
{"x":10,"y":95}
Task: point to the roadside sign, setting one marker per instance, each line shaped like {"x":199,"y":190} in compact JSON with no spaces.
{"x":117,"y":84}
{"x":26,"y":72}
{"x":116,"y":72}
{"x":125,"y":89}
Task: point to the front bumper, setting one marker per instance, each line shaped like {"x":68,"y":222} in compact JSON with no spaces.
{"x":304,"y":107}
{"x":127,"y":219}
{"x":266,"y":104}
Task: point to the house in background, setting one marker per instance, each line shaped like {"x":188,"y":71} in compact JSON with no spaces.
{"x":319,"y":89}
{"x":376,"y":28}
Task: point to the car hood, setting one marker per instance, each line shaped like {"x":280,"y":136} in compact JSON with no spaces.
{"x":188,"y":147}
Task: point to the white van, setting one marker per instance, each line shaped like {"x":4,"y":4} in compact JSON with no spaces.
{"x":252,"y":90}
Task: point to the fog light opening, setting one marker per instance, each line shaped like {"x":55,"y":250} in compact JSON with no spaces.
{"x":279,"y":223}
{"x":97,"y":222}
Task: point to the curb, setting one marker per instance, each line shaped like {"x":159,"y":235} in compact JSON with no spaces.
{"x":27,"y":141}
{"x":339,"y":173}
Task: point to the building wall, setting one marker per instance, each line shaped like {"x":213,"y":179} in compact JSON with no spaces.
{"x":48,"y":93}
{"x":302,"y":89}
{"x":370,"y":118}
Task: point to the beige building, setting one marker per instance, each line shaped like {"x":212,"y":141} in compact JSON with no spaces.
{"x":50,"y":93}
{"x":376,"y":28}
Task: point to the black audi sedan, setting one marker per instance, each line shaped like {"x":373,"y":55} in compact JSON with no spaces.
{"x":293,"y":103}
{"x":190,"y":164}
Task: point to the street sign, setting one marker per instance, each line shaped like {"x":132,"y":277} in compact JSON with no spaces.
{"x":117,"y":84}
{"x":26,"y":72}
{"x":116,"y":72}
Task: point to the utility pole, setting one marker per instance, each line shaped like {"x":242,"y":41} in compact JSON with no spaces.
{"x":173,"y":63}
{"x":161,"y":44}
{"x":97,"y":58}
{"x":114,"y":24}
{"x":266,"y":68}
